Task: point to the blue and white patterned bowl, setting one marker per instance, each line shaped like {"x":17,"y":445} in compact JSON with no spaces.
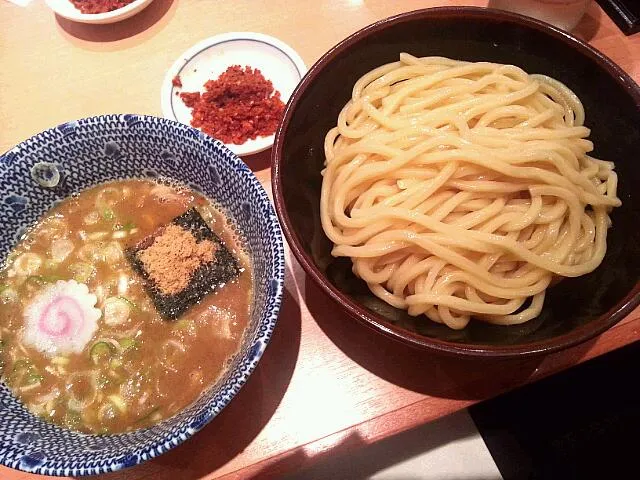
{"x":99,"y":149}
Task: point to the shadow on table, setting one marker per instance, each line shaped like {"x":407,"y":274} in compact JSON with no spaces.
{"x":354,"y":458}
{"x":258,"y":161}
{"x":238,"y":424}
{"x":147,"y":22}
{"x":414,"y":369}
{"x":299,"y":459}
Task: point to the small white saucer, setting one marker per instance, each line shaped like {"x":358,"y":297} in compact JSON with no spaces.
{"x":208,"y":59}
{"x":65,"y":9}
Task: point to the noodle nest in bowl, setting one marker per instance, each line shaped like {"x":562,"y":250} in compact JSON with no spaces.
{"x":461,"y":189}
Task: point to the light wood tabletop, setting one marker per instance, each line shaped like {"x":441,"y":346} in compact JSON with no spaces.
{"x":325,"y":384}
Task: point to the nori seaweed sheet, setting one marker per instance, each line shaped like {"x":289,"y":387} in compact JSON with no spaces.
{"x":204,"y":280}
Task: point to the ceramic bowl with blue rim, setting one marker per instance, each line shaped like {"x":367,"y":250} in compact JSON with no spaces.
{"x":52,"y":165}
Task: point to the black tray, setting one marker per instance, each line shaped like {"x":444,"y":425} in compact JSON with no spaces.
{"x":625,"y":13}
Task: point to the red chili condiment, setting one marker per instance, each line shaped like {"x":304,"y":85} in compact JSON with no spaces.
{"x":239,"y":105}
{"x":99,"y":6}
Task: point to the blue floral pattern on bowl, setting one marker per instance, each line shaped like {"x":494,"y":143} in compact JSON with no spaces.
{"x":99,"y":149}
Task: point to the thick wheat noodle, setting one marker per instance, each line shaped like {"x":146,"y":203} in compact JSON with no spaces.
{"x":461,"y":189}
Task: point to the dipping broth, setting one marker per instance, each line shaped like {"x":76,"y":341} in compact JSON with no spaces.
{"x":81,"y":342}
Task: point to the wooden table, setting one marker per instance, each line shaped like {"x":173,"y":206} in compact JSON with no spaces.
{"x":325,"y":384}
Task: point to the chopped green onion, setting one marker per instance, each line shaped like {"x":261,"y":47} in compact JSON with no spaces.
{"x":8,"y":294}
{"x":72,"y":420}
{"x":131,"y":304}
{"x":60,"y":249}
{"x":24,"y":370}
{"x":21,"y":365}
{"x":33,"y":378}
{"x":27,"y":264}
{"x":118,"y":402}
{"x":128,"y":343}
{"x":115,"y":363}
{"x":102,"y":381}
{"x":11,"y":256}
{"x":82,"y":272}
{"x":60,"y":360}
{"x":112,"y":252}
{"x":91,"y":218}
{"x":100,"y":350}
{"x":43,"y":279}
{"x":107,"y":412}
{"x":117,"y":310}
{"x":50,"y":264}
{"x":182,"y":324}
{"x":108,"y":214}
{"x":127,"y":226}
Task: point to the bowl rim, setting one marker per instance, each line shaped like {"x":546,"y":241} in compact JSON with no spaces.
{"x":581,"y":334}
{"x":158,"y":446}
{"x":113,"y":16}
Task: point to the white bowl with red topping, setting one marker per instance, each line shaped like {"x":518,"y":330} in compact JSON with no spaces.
{"x":277,"y":62}
{"x":66,"y":9}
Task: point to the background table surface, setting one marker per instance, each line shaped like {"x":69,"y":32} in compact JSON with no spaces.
{"x":325,"y":384}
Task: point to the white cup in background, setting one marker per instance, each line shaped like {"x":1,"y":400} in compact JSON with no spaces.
{"x":564,"y":14}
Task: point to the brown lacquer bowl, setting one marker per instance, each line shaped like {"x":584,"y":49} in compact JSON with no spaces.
{"x":576,"y":309}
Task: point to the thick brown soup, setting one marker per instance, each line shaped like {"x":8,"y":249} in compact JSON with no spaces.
{"x":82,"y":343}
